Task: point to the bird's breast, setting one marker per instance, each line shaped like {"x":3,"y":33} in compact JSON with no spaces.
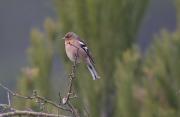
{"x":72,"y":52}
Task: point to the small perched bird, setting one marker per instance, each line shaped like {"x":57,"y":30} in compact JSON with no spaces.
{"x":77,"y":50}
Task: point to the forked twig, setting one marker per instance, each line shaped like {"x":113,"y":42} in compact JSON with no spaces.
{"x":35,"y":96}
{"x":65,"y":104}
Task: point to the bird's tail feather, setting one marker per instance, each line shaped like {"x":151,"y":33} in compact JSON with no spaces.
{"x":92,"y":70}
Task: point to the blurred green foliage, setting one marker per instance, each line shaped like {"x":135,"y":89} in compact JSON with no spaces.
{"x":162,"y":73}
{"x":131,"y":84}
{"x":149,"y":86}
{"x":36,"y":76}
{"x":109,"y":28}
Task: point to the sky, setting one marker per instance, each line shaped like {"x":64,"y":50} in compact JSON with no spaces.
{"x":17,"y":18}
{"x":160,"y":14}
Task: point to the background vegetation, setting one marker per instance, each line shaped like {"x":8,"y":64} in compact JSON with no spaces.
{"x":131,"y":84}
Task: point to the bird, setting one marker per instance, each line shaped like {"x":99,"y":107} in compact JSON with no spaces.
{"x":77,"y":51}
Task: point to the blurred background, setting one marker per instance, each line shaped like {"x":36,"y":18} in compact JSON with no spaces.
{"x":136,"y":46}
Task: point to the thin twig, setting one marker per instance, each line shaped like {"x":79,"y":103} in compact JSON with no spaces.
{"x":71,"y":78}
{"x":14,"y":94}
{"x":29,"y":113}
{"x":50,"y":102}
{"x":39,"y":99}
{"x":35,"y":97}
{"x":74,"y":111}
{"x":9,"y":101}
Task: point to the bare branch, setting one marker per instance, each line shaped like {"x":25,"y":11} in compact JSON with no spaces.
{"x":14,"y":94}
{"x":74,"y":110}
{"x":35,"y":97}
{"x":72,"y":76}
{"x":29,"y":113}
{"x":66,"y":99}
{"x":65,"y":103}
{"x":50,"y":102}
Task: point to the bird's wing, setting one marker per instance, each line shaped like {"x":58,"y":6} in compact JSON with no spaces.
{"x":85,"y":48}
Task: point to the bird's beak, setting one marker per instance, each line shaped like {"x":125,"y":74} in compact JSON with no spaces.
{"x":63,"y":38}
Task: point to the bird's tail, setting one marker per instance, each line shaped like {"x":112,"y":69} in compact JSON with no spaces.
{"x":92,"y":70}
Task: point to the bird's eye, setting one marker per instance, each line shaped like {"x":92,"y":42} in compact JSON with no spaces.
{"x":68,"y":36}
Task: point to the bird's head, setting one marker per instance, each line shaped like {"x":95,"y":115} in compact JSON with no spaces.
{"x":70,"y":35}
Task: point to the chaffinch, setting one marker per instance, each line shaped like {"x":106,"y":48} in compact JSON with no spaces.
{"x":77,"y":50}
